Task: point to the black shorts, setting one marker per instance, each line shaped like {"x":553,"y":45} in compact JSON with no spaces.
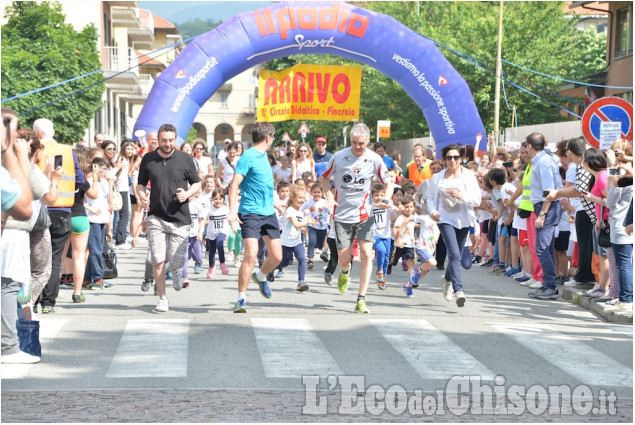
{"x":405,"y":253}
{"x":133,"y":199}
{"x":255,"y":225}
{"x":562,"y":241}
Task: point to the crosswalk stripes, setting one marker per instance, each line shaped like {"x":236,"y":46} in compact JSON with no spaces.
{"x":428,"y":351}
{"x":152,"y":348}
{"x":48,"y":331}
{"x":289,"y":348}
{"x":581,"y":361}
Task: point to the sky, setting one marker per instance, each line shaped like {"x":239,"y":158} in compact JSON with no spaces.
{"x":180,"y":11}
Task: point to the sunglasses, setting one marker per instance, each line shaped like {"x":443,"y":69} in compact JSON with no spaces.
{"x":199,"y":149}
{"x":303,"y":150}
{"x":111,"y":149}
{"x":454,"y":157}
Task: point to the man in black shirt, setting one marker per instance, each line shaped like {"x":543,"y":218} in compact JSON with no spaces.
{"x":169,"y":172}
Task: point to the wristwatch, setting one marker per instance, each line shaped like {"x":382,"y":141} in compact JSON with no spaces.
{"x":543,"y":213}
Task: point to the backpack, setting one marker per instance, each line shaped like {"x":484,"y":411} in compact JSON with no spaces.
{"x":109,"y":257}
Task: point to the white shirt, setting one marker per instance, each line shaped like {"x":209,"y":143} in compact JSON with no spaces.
{"x":291,"y":236}
{"x":217,"y":222}
{"x":407,"y":234}
{"x":353,"y":178}
{"x":382,"y":226}
{"x":101,"y":202}
{"x":202,"y":165}
{"x":280,"y":174}
{"x":302,"y":167}
{"x":228,"y":172}
{"x":428,"y":233}
{"x":197,"y":210}
{"x":462,"y":215}
{"x":570,"y":178}
{"x":318,"y":211}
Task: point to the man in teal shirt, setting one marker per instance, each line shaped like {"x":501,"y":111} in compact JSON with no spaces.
{"x":255,"y":214}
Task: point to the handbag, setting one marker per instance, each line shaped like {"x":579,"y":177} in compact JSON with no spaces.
{"x":43,"y":220}
{"x":604,"y":235}
{"x":28,"y":334}
{"x":117,"y":200}
{"x":523,"y":213}
{"x":109,"y":258}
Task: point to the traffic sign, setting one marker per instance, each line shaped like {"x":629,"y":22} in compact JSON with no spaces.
{"x":304,"y":129}
{"x":607,"y":109}
{"x":282,"y":151}
{"x":286,"y":137}
{"x":383,"y":131}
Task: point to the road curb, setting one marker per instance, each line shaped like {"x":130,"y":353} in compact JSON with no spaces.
{"x":609,"y":313}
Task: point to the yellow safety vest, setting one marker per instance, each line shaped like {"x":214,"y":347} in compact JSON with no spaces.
{"x":66,"y":186}
{"x":525,"y":203}
{"x":419,"y":176}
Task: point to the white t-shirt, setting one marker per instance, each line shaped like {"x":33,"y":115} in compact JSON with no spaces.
{"x":280,"y":174}
{"x":381,"y":217}
{"x":228,"y":172}
{"x":100,"y":202}
{"x":504,"y":195}
{"x":202,"y":165}
{"x":518,"y":223}
{"x":318,"y":212}
{"x":428,"y":233}
{"x":353,"y":178}
{"x":217,"y":222}
{"x":482,"y":215}
{"x":291,"y":236}
{"x":197,"y":210}
{"x":123,"y":180}
{"x":570,"y":178}
{"x":302,"y":167}
{"x":407,"y":234}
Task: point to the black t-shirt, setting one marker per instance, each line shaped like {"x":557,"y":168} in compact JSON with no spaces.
{"x":166,"y":175}
{"x":78,"y":209}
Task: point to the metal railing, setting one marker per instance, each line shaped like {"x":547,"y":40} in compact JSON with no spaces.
{"x":145,"y":82}
{"x":120,"y":59}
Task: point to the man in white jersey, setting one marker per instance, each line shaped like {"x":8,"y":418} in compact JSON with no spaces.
{"x":352,"y":170}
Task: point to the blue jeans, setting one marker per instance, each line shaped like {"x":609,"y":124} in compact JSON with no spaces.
{"x":121,"y":220}
{"x":382,"y":253}
{"x":94,"y":264}
{"x":316,"y":239}
{"x":454,"y":243}
{"x":287,"y":254}
{"x":625,"y":269}
{"x":545,"y":238}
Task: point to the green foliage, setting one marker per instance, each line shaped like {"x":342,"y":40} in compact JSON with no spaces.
{"x":191,"y":135}
{"x":40,"y":49}
{"x":536,"y":35}
{"x":198,"y":26}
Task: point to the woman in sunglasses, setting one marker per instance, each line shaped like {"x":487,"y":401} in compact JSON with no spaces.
{"x":452,"y":196}
{"x":203,"y":162}
{"x":302,"y":162}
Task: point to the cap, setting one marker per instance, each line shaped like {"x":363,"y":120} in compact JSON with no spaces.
{"x":320,"y":139}
{"x":228,"y":140}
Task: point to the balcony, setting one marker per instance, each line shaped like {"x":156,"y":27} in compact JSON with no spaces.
{"x":227,"y":87}
{"x":249,"y":111}
{"x":143,"y":36}
{"x":121,"y":63}
{"x":142,"y":90}
{"x":146,"y":82}
{"x":124,"y":17}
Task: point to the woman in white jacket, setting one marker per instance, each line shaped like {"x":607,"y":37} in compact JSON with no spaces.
{"x":452,"y":196}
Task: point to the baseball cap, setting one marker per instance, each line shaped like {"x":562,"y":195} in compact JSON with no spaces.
{"x":320,"y":139}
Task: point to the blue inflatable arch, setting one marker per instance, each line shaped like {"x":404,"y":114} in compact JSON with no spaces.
{"x":291,"y":28}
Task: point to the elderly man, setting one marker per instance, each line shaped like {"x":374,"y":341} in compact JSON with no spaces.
{"x":418,"y":170}
{"x":353,"y":170}
{"x":544,"y":177}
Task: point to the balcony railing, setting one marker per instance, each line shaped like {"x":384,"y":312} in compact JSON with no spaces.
{"x":145,"y":82}
{"x":118,"y":59}
{"x":146,"y":20}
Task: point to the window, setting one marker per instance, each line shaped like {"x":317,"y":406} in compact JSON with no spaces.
{"x":223,"y":100}
{"x":624,"y":32}
{"x":252,"y":100}
{"x":628,"y":96}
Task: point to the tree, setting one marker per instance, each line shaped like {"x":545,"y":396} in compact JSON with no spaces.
{"x":537,"y":36}
{"x":197,"y":26}
{"x":39,"y":49}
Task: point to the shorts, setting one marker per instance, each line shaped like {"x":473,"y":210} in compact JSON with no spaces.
{"x":599,"y":250}
{"x":514,"y":233}
{"x":255,"y":225}
{"x":522,"y":238}
{"x":484,"y":227}
{"x":505,"y":231}
{"x":562,"y":241}
{"x":79,"y":225}
{"x":405,"y":253}
{"x":167,"y":241}
{"x":423,"y":256}
{"x":472,"y":230}
{"x":345,"y":233}
{"x":133,"y":199}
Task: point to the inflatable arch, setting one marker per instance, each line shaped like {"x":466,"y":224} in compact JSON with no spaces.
{"x":291,"y":28}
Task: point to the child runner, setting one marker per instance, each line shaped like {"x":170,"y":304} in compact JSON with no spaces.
{"x":316,"y":207}
{"x":404,"y":234}
{"x":424,"y":248}
{"x":382,"y":214}
{"x":195,"y":236}
{"x":295,"y":222}
{"x":280,"y":202}
{"x":217,"y":231}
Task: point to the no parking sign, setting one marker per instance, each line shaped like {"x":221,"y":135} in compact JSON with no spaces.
{"x":600,"y":118}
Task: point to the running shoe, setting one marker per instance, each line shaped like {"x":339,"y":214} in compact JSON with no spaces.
{"x":48,"y":310}
{"x":79,"y":298}
{"x":177,"y":281}
{"x":460,"y":298}
{"x":264,"y":286}
{"x":309,"y":265}
{"x":279,"y":273}
{"x":197,"y":269}
{"x":86,"y":284}
{"x":535,"y":284}
{"x":224,"y":269}
{"x":328,"y":277}
{"x":488,"y":263}
{"x":145,"y":286}
{"x":210,"y":273}
{"x":511,"y":272}
{"x":162,"y":305}
{"x":415,"y":276}
{"x":523,"y":278}
{"x":186,"y":282}
{"x":407,"y":289}
{"x":360,"y":307}
{"x":240,"y":306}
{"x":324,"y":256}
{"x":342,"y":281}
{"x":447,"y":288}
{"x":302,"y":286}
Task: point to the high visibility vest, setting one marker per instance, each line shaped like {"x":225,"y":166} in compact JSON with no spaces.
{"x":66,"y":186}
{"x":418,"y":176}
{"x":525,"y":203}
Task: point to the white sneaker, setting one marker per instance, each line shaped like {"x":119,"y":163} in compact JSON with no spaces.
{"x":447,"y":288}
{"x":460,"y":298}
{"x":519,"y":274}
{"x":124,"y":246}
{"x":535,"y":284}
{"x":177,"y":280}
{"x":230,"y":257}
{"x":19,"y":358}
{"x":237,"y":261}
{"x":162,"y":306}
{"x":571,"y":282}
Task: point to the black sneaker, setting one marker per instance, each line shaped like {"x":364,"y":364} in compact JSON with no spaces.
{"x":488,"y":263}
{"x":534,"y":294}
{"x":476,"y":260}
{"x":79,"y":298}
{"x":309,"y":265}
{"x":271,"y":277}
{"x":324,"y":256}
{"x":145,"y":286}
{"x":548,"y":294}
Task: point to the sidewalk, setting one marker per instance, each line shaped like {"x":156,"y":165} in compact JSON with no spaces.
{"x":609,"y":313}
